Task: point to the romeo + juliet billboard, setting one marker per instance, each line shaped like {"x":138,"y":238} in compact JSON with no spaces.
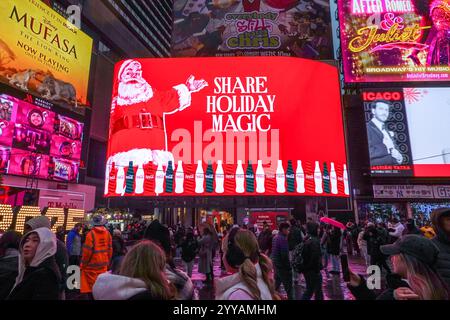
{"x":226,"y":126}
{"x":395,"y":40}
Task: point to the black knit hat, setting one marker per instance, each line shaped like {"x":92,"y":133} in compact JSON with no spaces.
{"x":414,"y":245}
{"x":159,"y":234}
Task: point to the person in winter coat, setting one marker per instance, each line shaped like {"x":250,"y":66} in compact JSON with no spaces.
{"x":119,"y":250}
{"x":334,"y":241}
{"x":295,"y":237}
{"x":38,"y":274}
{"x":375,"y":238}
{"x":141,"y":276}
{"x":189,"y":249}
{"x":441,"y":224}
{"x":312,"y":263}
{"x":184,"y":288}
{"x":61,"y":256}
{"x":9,"y":261}
{"x":413,"y":258}
{"x":73,"y":244}
{"x":205,"y":262}
{"x":96,"y":254}
{"x":251,"y":271}
{"x":60,"y":234}
{"x":281,"y":261}
{"x":362,"y":244}
{"x":265,"y":239}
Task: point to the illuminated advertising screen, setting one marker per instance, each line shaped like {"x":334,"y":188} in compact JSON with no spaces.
{"x":44,"y":54}
{"x":36,"y":141}
{"x":408,"y":132}
{"x":252,"y":28}
{"x":395,"y":40}
{"x":226,"y":126}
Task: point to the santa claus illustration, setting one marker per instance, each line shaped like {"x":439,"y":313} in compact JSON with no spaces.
{"x":138,"y":116}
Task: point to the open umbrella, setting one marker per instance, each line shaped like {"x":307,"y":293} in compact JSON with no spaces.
{"x":332,"y":222}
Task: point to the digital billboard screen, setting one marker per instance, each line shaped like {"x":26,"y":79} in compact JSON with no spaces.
{"x":36,"y":141}
{"x":252,"y":28}
{"x":42,"y":53}
{"x":226,"y":126}
{"x":408,"y":132}
{"x":394,"y":40}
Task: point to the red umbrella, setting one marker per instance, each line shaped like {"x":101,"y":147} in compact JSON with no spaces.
{"x":332,"y":222}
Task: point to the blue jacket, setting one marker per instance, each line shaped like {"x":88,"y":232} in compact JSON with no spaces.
{"x":280,"y":252}
{"x":69,"y":241}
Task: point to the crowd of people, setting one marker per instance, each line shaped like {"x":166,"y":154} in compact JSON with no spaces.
{"x":255,"y":263}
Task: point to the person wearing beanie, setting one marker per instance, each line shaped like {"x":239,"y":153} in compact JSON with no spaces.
{"x":312,"y":263}
{"x":96,"y":254}
{"x":61,"y":255}
{"x":160,"y":235}
{"x":441,"y":225}
{"x":414,"y":275}
{"x":38,"y":275}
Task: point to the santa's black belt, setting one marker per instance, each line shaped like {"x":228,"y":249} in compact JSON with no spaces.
{"x":143,"y":120}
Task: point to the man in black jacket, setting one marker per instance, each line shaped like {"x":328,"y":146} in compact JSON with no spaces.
{"x":441,"y":225}
{"x":312,"y":260}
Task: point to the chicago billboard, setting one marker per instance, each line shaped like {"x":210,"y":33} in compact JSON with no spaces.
{"x":395,"y":40}
{"x":408,"y":132}
{"x":226,"y":126}
{"x":43,"y":54}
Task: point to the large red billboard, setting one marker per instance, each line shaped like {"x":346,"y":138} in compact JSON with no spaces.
{"x":226,"y":126}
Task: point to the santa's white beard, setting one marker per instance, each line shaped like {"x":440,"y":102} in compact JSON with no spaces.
{"x":131,"y":93}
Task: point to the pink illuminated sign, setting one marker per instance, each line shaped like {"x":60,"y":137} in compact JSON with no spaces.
{"x":395,"y":40}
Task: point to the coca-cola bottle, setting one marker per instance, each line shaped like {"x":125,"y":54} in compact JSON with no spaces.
{"x":249,"y":178}
{"x":290,"y":177}
{"x":209,"y":177}
{"x":169,"y":177}
{"x":129,"y":178}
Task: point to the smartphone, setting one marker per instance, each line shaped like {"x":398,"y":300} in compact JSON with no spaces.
{"x":345,"y":269}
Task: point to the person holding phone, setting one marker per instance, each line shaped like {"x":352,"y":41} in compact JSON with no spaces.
{"x":415,"y":278}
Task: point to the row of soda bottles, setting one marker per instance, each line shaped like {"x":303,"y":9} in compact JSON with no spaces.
{"x":326,"y":182}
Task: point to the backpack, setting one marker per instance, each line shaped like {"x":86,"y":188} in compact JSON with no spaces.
{"x":298,"y":262}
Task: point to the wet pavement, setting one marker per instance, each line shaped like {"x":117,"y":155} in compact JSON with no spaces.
{"x":334,"y":288}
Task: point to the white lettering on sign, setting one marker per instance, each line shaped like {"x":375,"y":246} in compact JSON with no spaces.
{"x":240,"y":105}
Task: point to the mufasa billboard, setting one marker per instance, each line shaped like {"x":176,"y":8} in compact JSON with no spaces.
{"x":42,"y":53}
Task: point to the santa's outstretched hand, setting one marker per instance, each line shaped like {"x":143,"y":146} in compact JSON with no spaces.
{"x":195,"y":85}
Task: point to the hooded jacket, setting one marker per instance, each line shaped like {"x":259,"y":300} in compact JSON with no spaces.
{"x":442,"y":241}
{"x":40,"y":280}
{"x":116,"y":287}
{"x":227,"y":286}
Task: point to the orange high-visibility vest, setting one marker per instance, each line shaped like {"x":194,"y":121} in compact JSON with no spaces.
{"x":97,"y":253}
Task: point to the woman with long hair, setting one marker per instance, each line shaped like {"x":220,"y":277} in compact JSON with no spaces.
{"x":413,"y":258}
{"x":141,"y":276}
{"x":252,"y":271}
